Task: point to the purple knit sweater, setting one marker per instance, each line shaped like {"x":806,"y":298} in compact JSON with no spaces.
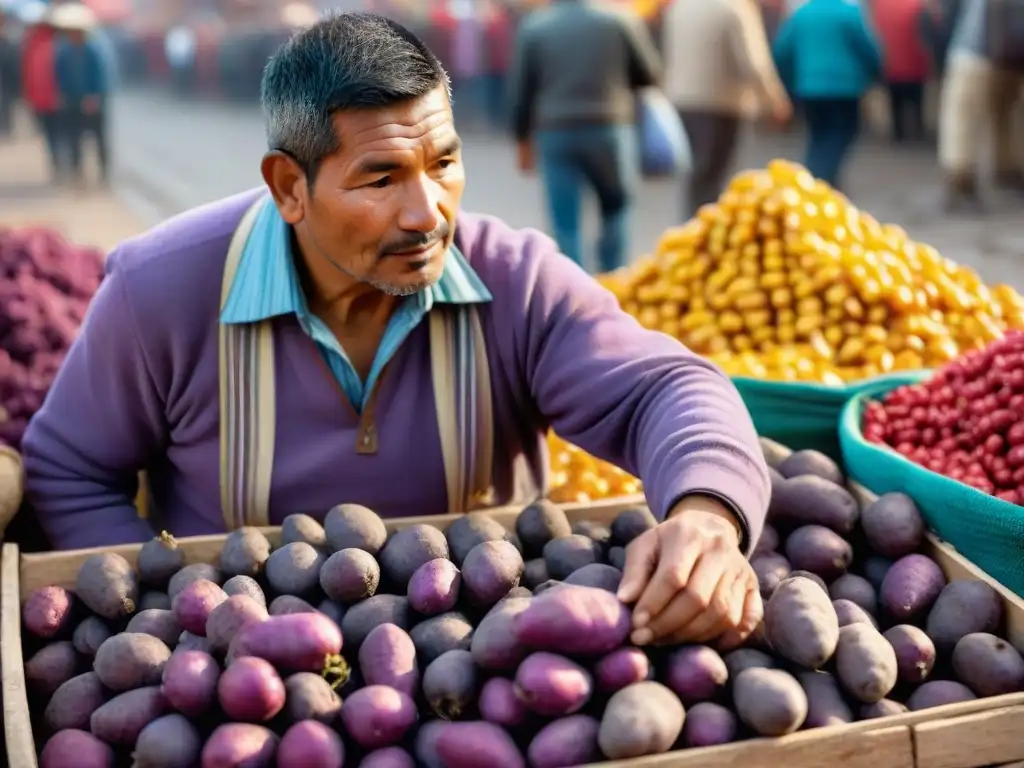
{"x":139,"y":390}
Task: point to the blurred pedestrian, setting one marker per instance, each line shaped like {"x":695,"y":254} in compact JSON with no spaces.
{"x":718,"y":72}
{"x":9,"y":74}
{"x":906,"y":64}
{"x":937,"y":20}
{"x":984,"y":76}
{"x":499,"y":31}
{"x":829,"y":58}
{"x":39,"y":86}
{"x":572,"y":87}
{"x":83,"y":78}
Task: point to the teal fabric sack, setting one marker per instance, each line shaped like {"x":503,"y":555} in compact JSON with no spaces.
{"x":804,"y":415}
{"x":986,"y":530}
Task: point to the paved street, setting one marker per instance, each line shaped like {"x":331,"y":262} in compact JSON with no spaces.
{"x":172,"y":155}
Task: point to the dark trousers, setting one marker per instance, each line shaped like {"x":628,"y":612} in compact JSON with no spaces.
{"x":76,"y":126}
{"x":7,"y":95}
{"x":713,"y":140}
{"x":906,"y":105}
{"x":832,"y":128}
{"x":49,"y":124}
{"x":604,"y":157}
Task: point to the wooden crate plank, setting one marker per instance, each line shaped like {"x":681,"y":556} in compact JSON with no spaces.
{"x":984,"y":738}
{"x":881,"y":748}
{"x":20,"y":745}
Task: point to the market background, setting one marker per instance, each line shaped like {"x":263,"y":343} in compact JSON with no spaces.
{"x":176,"y":146}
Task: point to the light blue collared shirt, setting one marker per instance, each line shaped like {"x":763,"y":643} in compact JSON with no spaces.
{"x":267,"y":285}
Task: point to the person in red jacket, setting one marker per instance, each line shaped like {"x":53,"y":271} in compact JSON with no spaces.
{"x":39,"y":87}
{"x":907,"y":64}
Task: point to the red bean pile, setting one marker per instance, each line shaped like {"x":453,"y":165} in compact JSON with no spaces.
{"x":965,"y":422}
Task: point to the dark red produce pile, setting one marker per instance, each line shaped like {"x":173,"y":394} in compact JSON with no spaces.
{"x":45,"y":287}
{"x":965,"y":422}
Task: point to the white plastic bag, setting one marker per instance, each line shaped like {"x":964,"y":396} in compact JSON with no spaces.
{"x":664,"y":145}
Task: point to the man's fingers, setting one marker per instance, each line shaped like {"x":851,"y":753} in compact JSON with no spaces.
{"x":691,"y":601}
{"x":723,"y":612}
{"x":753,"y":609}
{"x":641,"y":560}
{"x":669,"y":579}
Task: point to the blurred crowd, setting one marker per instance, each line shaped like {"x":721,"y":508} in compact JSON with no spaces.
{"x":566,"y":80}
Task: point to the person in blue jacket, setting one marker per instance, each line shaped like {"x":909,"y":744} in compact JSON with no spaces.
{"x":828,"y":57}
{"x":83,"y":79}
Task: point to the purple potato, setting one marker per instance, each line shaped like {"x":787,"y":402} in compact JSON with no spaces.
{"x":189,"y":682}
{"x":825,"y":702}
{"x":801,"y":624}
{"x":819,"y":550}
{"x":160,"y":623}
{"x":490,"y":570}
{"x":283,"y":605}
{"x":131,"y":660}
{"x":228,"y":619}
{"x":470,"y":530}
{"x":451,"y":683}
{"x":696,"y":673}
{"x":170,"y":741}
{"x":298,"y":642}
{"x":567,"y":741}
{"x":388,"y":657}
{"x":962,"y":608}
{"x":500,"y":704}
{"x":622,"y":667}
{"x":911,"y":587}
{"x":194,"y":604}
{"x":308,"y":696}
{"x":856,"y":589}
{"x":915,"y":653}
{"x":50,"y":667}
{"x":988,"y":665}
{"x":848,"y":612}
{"x":883,"y":708}
{"x":294,"y":569}
{"x":494,"y":645}
{"x":244,"y":553}
{"x":240,"y":744}
{"x":245,"y":585}
{"x":769,"y":701}
{"x":434,"y":587}
{"x":191,"y":573}
{"x":353,"y":525}
{"x":159,"y":559}
{"x":108,"y":585}
{"x":251,"y":691}
{"x":570,"y":553}
{"x":378,"y":716}
{"x":90,"y":635}
{"x":574,"y":620}
{"x":408,"y":549}
{"x":771,"y":569}
{"x":641,"y":719}
{"x":299,"y":527}
{"x":938,"y":693}
{"x":552,"y":685}
{"x":597,"y":575}
{"x":362,"y":617}
{"x":76,"y":747}
{"x":541,"y":522}
{"x":447,"y":632}
{"x":865,"y":663}
{"x":48,"y":612}
{"x":893,"y":525}
{"x":121,"y":720}
{"x":310,"y":744}
{"x":708,"y":725}
{"x":746,"y":658}
{"x":350,"y":575}
{"x":476,"y":744}
{"x":388,"y":757}
{"x":73,"y":703}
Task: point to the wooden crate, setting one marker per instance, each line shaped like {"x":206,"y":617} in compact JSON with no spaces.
{"x":969,"y":735}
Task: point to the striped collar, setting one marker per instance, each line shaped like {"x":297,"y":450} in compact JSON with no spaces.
{"x":267,"y":284}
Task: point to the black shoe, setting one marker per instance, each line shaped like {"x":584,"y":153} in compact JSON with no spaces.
{"x":961,"y":196}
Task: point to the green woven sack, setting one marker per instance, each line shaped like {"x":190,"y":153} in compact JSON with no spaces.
{"x":799,"y":414}
{"x":986,"y":530}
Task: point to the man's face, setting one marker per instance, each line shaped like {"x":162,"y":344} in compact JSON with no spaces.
{"x":383,"y":207}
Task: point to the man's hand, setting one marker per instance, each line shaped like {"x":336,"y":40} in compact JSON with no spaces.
{"x":689,"y":579}
{"x":524,"y":156}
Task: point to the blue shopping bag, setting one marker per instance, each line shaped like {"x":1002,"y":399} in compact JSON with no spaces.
{"x":664,"y":145}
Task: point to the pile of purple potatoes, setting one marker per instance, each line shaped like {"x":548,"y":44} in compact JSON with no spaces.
{"x":479,"y":647}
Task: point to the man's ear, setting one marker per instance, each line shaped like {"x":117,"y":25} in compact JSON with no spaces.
{"x":287,"y":183}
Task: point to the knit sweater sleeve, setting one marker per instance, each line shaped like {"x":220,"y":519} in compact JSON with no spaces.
{"x":632,"y":396}
{"x":101,"y":423}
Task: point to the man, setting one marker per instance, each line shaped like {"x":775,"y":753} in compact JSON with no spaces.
{"x":830,"y":58}
{"x":718,"y":72}
{"x":572,"y":86}
{"x":980,"y":92}
{"x":39,"y":87}
{"x":906,"y":64}
{"x":83,"y":80}
{"x":9,"y":75}
{"x":330,"y":342}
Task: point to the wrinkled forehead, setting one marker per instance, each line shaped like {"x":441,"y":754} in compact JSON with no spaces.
{"x":418,"y":130}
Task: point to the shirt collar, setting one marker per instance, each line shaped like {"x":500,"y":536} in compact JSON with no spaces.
{"x":267,"y":284}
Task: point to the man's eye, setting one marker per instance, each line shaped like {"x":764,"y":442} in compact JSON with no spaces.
{"x":380,"y":183}
{"x":446,"y":163}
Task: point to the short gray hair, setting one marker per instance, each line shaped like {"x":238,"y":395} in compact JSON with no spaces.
{"x":346,"y":61}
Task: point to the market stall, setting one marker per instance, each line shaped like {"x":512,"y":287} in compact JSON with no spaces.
{"x":432,"y":643}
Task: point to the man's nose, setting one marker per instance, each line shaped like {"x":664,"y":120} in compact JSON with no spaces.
{"x":420,"y":209}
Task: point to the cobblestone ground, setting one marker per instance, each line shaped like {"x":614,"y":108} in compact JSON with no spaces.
{"x":172,"y":155}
